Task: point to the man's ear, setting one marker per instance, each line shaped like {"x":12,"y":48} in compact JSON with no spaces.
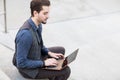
{"x":35,"y":13}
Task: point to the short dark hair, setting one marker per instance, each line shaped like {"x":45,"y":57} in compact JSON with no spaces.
{"x":36,"y":5}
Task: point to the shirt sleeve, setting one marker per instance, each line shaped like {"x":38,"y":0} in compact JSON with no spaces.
{"x":23,"y":44}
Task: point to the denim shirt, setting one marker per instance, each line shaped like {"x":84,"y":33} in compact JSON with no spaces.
{"x":23,"y":43}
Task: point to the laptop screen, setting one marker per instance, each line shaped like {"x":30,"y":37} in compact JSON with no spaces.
{"x":70,"y":58}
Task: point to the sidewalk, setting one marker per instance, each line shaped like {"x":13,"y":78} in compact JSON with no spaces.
{"x":3,"y":76}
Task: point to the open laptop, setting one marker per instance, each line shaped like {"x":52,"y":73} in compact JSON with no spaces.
{"x":62,"y":63}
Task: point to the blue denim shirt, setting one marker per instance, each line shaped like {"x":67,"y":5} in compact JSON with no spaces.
{"x":23,"y":43}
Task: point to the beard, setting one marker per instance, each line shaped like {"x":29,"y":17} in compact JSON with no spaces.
{"x":44,"y":22}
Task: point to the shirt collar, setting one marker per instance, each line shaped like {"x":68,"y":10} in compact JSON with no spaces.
{"x":33,"y":25}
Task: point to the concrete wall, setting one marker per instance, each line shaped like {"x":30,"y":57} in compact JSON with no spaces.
{"x":18,"y":11}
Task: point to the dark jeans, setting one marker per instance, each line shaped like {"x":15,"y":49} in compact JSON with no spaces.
{"x":54,"y":74}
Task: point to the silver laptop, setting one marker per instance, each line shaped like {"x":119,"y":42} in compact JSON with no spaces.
{"x":62,"y":63}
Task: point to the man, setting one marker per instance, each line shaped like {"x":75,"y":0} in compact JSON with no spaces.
{"x":30,"y":52}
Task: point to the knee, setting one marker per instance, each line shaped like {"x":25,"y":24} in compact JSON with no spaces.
{"x":57,"y":49}
{"x":62,"y":50}
{"x":67,"y":71}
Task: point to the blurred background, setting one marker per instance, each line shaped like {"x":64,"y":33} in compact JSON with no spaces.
{"x":93,"y":26}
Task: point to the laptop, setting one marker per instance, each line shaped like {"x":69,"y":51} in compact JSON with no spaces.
{"x":62,"y":63}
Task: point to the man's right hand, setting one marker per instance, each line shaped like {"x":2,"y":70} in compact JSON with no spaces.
{"x":51,"y":62}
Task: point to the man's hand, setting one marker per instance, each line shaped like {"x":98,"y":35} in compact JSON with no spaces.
{"x":51,"y":62}
{"x":56,"y":55}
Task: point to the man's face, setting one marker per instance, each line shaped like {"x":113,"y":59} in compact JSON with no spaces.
{"x":43,"y":15}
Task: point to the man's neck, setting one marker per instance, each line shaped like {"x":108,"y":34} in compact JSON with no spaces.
{"x":35,"y":21}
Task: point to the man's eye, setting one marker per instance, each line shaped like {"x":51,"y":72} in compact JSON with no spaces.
{"x":45,"y":13}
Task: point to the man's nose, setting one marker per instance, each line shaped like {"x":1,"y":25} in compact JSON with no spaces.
{"x":47,"y":16}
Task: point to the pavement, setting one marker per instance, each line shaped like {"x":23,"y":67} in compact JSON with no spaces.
{"x":92,"y":26}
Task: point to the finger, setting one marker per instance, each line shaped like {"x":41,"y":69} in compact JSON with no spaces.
{"x":61,"y":56}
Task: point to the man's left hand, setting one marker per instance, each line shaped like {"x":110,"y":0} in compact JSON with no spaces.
{"x":56,"y":55}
